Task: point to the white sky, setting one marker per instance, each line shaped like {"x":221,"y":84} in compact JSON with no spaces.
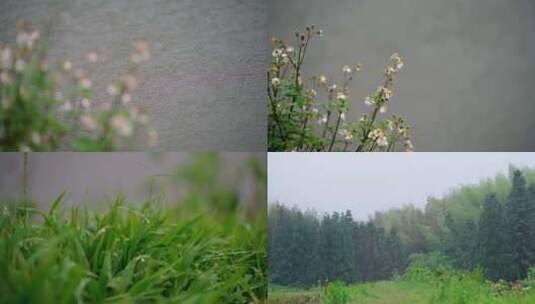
{"x":368,"y":182}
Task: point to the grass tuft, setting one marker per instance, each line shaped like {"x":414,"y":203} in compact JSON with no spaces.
{"x":130,"y":254}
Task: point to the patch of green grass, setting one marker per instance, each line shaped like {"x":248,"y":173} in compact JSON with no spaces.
{"x":289,"y":295}
{"x":372,"y":293}
{"x":130,"y":254}
{"x":419,"y":286}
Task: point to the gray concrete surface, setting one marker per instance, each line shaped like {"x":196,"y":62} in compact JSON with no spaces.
{"x":470,"y":67}
{"x":205,"y":83}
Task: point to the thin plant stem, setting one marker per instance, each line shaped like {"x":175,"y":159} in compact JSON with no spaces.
{"x":335,"y":131}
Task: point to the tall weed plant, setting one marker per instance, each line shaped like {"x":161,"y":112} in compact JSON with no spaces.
{"x":49,"y":106}
{"x":311,"y":113}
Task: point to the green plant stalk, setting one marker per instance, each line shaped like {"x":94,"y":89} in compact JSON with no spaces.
{"x":335,"y":131}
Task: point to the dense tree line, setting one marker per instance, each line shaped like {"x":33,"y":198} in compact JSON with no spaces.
{"x":489,"y":225}
{"x":305,"y":249}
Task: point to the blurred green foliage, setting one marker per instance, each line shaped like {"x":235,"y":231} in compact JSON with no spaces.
{"x":205,"y":249}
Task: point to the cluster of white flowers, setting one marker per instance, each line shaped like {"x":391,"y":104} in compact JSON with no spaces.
{"x":323,"y":119}
{"x":341,"y":96}
{"x":141,"y":52}
{"x":369,"y":101}
{"x":322,"y":80}
{"x":346,"y":134}
{"x":6,"y":58}
{"x":379,"y":136}
{"x":122,"y":125}
{"x":281,"y":54}
{"x":277,"y":53}
{"x":384,"y":92}
{"x":348,"y":70}
{"x":92,"y":57}
{"x":27,"y":39}
{"x":397,"y":62}
{"x":89,"y":122}
{"x":113,"y":90}
{"x":409,"y":147}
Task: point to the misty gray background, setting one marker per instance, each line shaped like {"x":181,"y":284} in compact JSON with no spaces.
{"x":470,"y":68}
{"x":204,"y":85}
{"x":369,"y":182}
{"x":96,"y":178}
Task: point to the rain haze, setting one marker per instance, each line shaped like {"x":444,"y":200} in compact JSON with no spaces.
{"x":467,"y":84}
{"x":368,"y":182}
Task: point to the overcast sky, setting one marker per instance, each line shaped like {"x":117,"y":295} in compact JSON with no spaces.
{"x":368,"y":182}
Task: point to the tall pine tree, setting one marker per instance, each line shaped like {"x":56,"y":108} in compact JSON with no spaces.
{"x":492,"y":237}
{"x":519,"y":227}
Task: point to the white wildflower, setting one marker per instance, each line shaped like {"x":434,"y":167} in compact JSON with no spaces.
{"x":141,"y":52}
{"x":92,"y":57}
{"x":122,"y":125}
{"x":36,"y":138}
{"x":130,"y":82}
{"x":89,"y":122}
{"x":5,"y":78}
{"x":332,"y":87}
{"x":323,"y":119}
{"x":66,"y":107}
{"x":24,"y":148}
{"x":67,"y":65}
{"x":386,"y":93}
{"x":277,"y":53}
{"x":144,"y":119}
{"x":369,"y":101}
{"x":348,"y":135}
{"x":32,"y":38}
{"x":85,"y":103}
{"x":382,"y":109}
{"x":322,"y":79}
{"x":126,"y":98}
{"x":382,"y":141}
{"x":85,"y":83}
{"x":22,"y":38}
{"x":397,"y":62}
{"x":113,"y":90}
{"x":6,"y":58}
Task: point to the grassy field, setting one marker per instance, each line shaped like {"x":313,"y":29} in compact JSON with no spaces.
{"x":372,"y":293}
{"x":420,"y":286}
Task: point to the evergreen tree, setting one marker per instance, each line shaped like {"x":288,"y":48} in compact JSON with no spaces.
{"x":530,"y":214}
{"x":518,"y":223}
{"x":492,"y":237}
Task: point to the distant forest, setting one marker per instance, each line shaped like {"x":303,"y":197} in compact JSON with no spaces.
{"x":490,"y":225}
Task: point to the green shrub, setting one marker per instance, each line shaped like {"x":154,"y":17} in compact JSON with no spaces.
{"x":337,"y":293}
